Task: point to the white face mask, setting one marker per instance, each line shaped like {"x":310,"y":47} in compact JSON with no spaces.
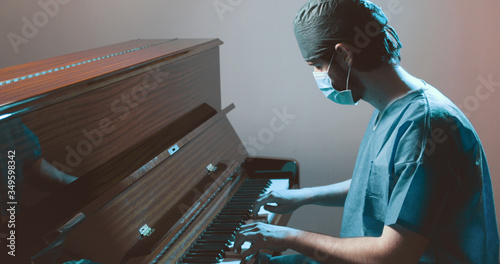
{"x":325,"y":85}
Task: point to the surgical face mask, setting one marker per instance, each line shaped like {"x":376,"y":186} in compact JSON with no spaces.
{"x":325,"y":85}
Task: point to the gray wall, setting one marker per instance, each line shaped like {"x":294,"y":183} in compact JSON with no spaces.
{"x":451,"y":44}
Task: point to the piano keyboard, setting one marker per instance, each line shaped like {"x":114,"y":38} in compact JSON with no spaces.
{"x":217,"y":239}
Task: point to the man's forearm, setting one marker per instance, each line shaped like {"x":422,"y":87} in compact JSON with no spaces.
{"x":329,"y":195}
{"x":327,"y":249}
{"x":396,"y":245}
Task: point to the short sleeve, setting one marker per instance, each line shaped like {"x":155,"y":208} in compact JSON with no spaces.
{"x":421,"y":178}
{"x":418,"y":198}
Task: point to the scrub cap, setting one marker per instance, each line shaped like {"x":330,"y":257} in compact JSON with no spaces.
{"x":320,"y":24}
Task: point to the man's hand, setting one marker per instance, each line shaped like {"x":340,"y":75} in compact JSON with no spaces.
{"x":280,"y":202}
{"x":263,"y":236}
{"x":286,"y":201}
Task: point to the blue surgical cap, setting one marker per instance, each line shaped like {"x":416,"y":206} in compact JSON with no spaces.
{"x":320,"y":24}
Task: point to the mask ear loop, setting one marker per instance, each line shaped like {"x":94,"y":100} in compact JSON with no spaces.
{"x":329,"y":64}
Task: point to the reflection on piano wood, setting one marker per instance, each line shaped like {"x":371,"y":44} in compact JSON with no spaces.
{"x":162,"y":177}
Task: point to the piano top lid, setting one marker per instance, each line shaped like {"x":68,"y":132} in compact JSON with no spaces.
{"x":33,"y":85}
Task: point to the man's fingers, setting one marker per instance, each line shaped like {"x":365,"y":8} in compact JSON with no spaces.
{"x":259,"y":203}
{"x":246,"y":228}
{"x":273,"y":208}
{"x":252,"y":250}
{"x":242,"y":237}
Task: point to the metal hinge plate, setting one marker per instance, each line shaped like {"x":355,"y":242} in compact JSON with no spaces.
{"x":173,"y":149}
{"x":211,"y":168}
{"x":145,"y":230}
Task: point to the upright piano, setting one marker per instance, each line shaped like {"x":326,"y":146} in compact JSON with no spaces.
{"x":124,"y":154}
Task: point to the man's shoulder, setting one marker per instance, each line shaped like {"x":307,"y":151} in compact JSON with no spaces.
{"x":430,"y":114}
{"x":432,"y":108}
{"x":447,"y":127}
{"x":443,"y":113}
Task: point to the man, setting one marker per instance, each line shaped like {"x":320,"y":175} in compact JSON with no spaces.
{"x":420,"y":191}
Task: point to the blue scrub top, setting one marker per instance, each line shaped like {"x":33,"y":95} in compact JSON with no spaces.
{"x":421,"y":166}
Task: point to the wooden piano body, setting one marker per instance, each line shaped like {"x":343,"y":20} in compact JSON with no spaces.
{"x":141,"y":127}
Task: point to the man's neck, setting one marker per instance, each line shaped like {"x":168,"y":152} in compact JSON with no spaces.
{"x":386,"y":83}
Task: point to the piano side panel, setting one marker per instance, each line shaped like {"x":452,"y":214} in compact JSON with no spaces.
{"x":80,"y":134}
{"x":106,"y":235}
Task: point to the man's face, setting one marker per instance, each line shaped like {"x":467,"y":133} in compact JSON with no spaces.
{"x":338,"y":71}
{"x":338,"y":75}
{"x":328,"y":64}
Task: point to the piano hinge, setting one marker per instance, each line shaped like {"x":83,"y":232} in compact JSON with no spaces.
{"x":145,"y":230}
{"x":211,"y":168}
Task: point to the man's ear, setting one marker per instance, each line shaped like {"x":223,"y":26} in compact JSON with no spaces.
{"x":345,"y":52}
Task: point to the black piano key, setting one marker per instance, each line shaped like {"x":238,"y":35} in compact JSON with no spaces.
{"x":228,"y":217}
{"x":248,"y":196}
{"x":206,"y":254}
{"x":210,"y":241}
{"x":224,"y":225}
{"x":219,"y":231}
{"x":237,"y":206}
{"x":211,"y":244}
{"x":234,"y":211}
{"x":239,"y":212}
{"x":234,"y":220}
{"x":223,"y":230}
{"x":200,"y":260}
{"x":220,"y":238}
{"x":215,"y":251}
{"x":241,"y":200}
{"x":217,"y":262}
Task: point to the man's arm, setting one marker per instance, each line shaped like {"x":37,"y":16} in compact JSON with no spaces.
{"x":329,"y":195}
{"x":43,"y":175}
{"x":396,"y":245}
{"x":287,"y":201}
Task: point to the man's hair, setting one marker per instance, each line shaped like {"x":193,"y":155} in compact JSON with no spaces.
{"x":321,"y":24}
